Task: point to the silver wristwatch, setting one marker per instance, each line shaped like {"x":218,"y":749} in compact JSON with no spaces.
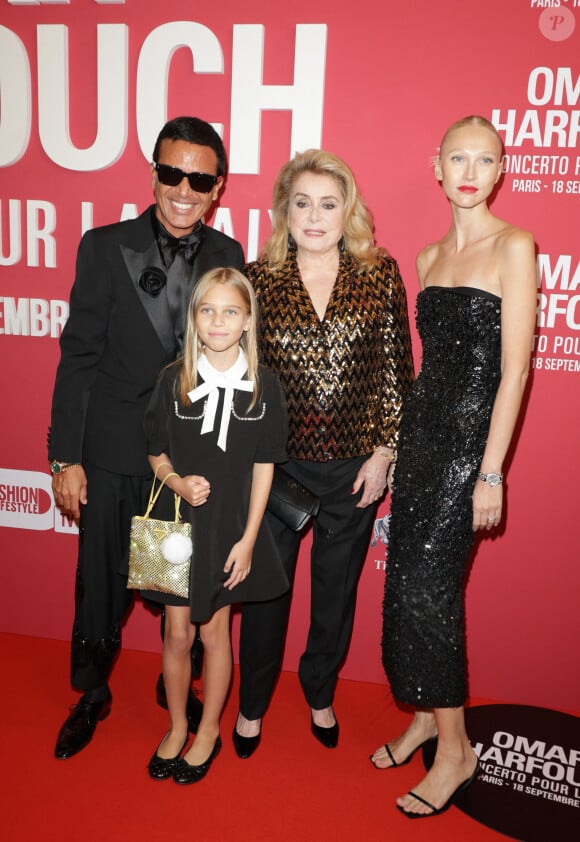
{"x":491,"y":479}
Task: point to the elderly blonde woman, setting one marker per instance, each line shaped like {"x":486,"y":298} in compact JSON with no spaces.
{"x":334,"y":327}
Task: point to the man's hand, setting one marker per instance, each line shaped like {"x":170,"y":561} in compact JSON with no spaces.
{"x":70,"y":491}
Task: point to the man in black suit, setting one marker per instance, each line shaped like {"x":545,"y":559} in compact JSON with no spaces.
{"x":128,"y":309}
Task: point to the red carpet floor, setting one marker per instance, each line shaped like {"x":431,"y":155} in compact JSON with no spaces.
{"x":291,"y":790}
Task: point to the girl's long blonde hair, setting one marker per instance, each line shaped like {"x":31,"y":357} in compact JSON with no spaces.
{"x":193,"y":345}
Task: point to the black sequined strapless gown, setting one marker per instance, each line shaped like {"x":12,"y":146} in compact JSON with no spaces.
{"x":445,"y":426}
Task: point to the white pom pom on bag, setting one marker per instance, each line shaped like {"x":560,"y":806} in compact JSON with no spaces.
{"x":176,"y":548}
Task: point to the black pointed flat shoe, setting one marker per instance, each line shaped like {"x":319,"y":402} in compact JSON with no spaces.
{"x":161,"y":768}
{"x":185,"y":773}
{"x":327,"y":736}
{"x":434,"y":811}
{"x":246,"y":746}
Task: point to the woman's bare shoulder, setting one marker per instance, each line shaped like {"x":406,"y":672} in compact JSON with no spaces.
{"x":516,"y":262}
{"x":511,"y":239}
{"x":426,"y":258}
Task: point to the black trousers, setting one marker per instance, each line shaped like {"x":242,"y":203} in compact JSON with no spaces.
{"x":341,"y":535}
{"x":101,"y":596}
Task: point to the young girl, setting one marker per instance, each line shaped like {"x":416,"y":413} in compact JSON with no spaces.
{"x":218,"y":421}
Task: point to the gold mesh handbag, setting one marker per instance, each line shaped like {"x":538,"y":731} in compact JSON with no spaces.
{"x":160,"y":550}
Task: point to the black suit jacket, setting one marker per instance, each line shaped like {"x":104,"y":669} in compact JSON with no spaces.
{"x":115,"y":342}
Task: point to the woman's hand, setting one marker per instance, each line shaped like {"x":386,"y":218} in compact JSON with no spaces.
{"x":487,"y":505}
{"x":238,"y":563}
{"x":193,"y":489}
{"x":373,"y":475}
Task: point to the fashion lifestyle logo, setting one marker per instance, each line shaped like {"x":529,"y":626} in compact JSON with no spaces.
{"x":26,"y":503}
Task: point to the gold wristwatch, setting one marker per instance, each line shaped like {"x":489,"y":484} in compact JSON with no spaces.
{"x":57,"y":467}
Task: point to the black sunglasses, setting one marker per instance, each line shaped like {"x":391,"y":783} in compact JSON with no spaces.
{"x":201,"y":182}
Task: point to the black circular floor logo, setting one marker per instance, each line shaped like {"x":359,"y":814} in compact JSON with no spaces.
{"x":529,"y":785}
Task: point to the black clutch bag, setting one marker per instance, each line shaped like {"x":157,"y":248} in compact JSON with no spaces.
{"x":290,"y":501}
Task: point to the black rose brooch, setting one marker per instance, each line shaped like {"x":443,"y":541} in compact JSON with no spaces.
{"x":152,"y":280}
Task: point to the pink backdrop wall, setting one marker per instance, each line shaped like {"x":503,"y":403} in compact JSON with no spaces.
{"x":84,"y":87}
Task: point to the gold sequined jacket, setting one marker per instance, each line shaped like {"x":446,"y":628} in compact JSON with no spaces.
{"x":344,"y":376}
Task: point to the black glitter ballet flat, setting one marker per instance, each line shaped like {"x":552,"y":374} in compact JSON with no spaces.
{"x":185,"y":773}
{"x":161,"y":768}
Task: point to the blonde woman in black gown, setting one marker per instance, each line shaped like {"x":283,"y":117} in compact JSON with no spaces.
{"x":475,"y":315}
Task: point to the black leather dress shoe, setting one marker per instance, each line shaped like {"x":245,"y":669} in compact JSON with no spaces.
{"x":79,"y":727}
{"x":245,"y":746}
{"x":193,"y":710}
{"x":161,"y":768}
{"x":185,"y":773}
{"x":327,"y":736}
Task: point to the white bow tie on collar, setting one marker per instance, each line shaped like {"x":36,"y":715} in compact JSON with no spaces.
{"x":214,"y":380}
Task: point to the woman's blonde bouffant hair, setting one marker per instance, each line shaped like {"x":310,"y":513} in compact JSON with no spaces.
{"x":357,"y":223}
{"x":193,"y":345}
